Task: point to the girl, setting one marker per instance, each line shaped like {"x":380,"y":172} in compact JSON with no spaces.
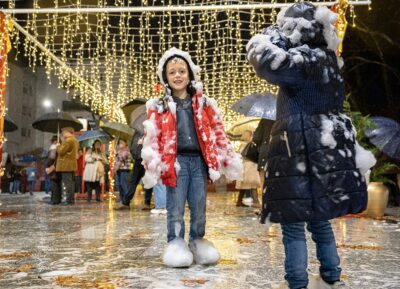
{"x":93,"y":174}
{"x":122,"y":167}
{"x":184,"y":144}
{"x":315,"y":169}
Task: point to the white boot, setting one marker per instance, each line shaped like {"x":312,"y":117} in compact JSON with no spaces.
{"x":177,"y":254}
{"x":204,"y":252}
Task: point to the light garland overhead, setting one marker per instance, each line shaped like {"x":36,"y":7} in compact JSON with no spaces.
{"x":109,"y":58}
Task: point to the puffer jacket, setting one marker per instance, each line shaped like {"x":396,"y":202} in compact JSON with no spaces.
{"x":159,"y":151}
{"x":312,"y":172}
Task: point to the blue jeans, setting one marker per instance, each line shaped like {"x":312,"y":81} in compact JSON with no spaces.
{"x":160,"y":196}
{"x":16,"y":186}
{"x":31,"y":185}
{"x":47,"y":184}
{"x":294,"y":240}
{"x":191,"y":186}
{"x":122,"y":184}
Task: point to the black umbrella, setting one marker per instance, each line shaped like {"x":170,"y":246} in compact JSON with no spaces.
{"x":54,"y":121}
{"x":385,"y":135}
{"x":138,"y":116}
{"x":9,"y":124}
{"x":131,"y":106}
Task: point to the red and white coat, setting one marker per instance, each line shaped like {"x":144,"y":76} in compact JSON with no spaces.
{"x":159,"y":151}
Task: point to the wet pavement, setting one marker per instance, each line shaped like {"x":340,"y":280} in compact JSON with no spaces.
{"x":90,"y":246}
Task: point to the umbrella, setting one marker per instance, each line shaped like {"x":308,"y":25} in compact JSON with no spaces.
{"x":119,"y":130}
{"x":239,"y":127}
{"x":54,"y":121}
{"x":89,"y":137}
{"x":137,"y":117}
{"x":385,"y":135}
{"x":131,"y":106}
{"x":9,"y":124}
{"x":257,"y":105}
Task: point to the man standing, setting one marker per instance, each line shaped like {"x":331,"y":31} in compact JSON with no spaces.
{"x":66,"y":164}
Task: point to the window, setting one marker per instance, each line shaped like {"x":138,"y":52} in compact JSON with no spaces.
{"x":26,"y":110}
{"x":23,"y":131}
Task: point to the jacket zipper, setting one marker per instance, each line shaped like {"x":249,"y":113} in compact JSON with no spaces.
{"x":286,"y":139}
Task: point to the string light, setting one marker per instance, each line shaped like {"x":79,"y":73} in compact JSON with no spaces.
{"x":115,"y":55}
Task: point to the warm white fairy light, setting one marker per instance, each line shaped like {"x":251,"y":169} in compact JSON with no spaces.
{"x":114,"y":55}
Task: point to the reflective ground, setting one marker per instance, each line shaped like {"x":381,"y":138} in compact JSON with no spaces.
{"x":90,"y":246}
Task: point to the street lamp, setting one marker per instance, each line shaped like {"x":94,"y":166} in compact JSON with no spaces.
{"x":47,"y":103}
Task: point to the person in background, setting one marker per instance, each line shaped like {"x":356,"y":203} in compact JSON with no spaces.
{"x":67,"y":153}
{"x":122,"y":167}
{"x":93,"y":174}
{"x":137,"y":171}
{"x":79,"y":172}
{"x":50,"y":170}
{"x":32,"y":176}
{"x":251,"y":179}
{"x":17,"y":180}
{"x":261,"y":139}
{"x":11,"y":177}
{"x":160,"y":200}
{"x":24,"y":181}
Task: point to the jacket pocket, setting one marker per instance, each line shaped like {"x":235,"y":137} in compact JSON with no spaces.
{"x":285,"y":138}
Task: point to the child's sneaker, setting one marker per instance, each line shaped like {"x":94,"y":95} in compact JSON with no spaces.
{"x":177,"y":254}
{"x":159,"y":211}
{"x":204,"y":252}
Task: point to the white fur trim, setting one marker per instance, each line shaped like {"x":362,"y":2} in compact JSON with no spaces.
{"x":175,"y":51}
{"x":214,"y":175}
{"x":172,"y":107}
{"x":150,"y":154}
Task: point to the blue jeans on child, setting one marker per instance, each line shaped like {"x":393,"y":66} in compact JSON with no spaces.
{"x":160,"y":196}
{"x":122,"y":184}
{"x":191,"y":186}
{"x":294,"y":240}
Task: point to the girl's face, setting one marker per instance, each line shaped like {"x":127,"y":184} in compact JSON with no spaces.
{"x":177,"y":75}
{"x":97,"y":145}
{"x":122,"y":144}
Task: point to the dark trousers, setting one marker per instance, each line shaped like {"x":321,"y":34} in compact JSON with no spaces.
{"x":137,"y":174}
{"x":78,"y":185}
{"x":55,"y":191}
{"x":90,"y":186}
{"x":68,"y":179}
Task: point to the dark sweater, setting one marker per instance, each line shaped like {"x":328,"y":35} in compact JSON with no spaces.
{"x":187,"y":136}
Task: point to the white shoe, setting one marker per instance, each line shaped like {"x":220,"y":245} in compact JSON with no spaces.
{"x":159,"y":211}
{"x":204,"y":252}
{"x":247,"y":201}
{"x":177,"y":254}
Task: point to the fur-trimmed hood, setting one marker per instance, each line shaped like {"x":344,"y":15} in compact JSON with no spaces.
{"x":197,"y":84}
